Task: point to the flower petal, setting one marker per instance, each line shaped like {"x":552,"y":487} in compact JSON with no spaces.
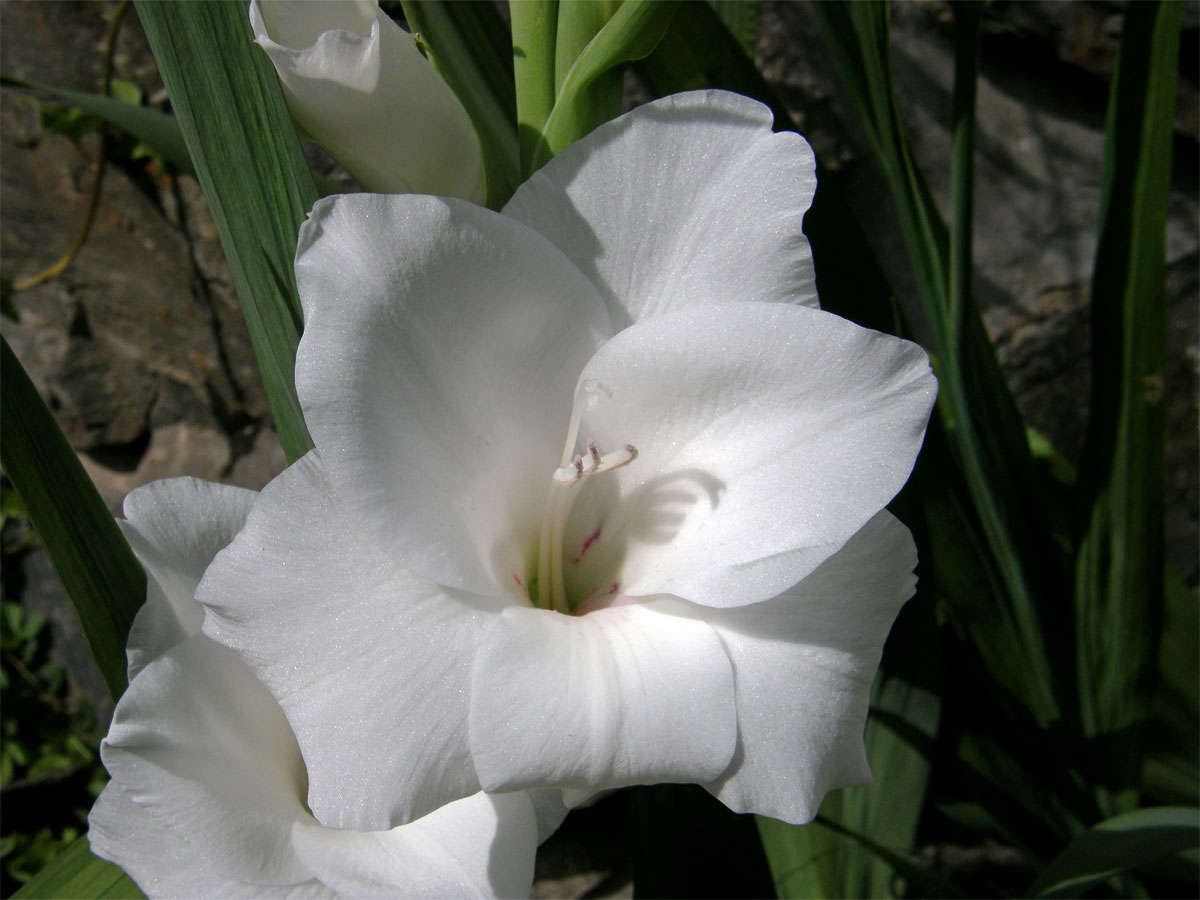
{"x":767,"y":434}
{"x":175,"y":528}
{"x":370,"y":663}
{"x":162,"y":863}
{"x":803,"y":665}
{"x":686,"y":201}
{"x":355,"y":81}
{"x":550,"y":809}
{"x":480,"y":846}
{"x":200,"y":745}
{"x":441,"y":346}
{"x":631,"y":694}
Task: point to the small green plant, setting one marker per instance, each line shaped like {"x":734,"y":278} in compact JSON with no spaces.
{"x":49,"y":756}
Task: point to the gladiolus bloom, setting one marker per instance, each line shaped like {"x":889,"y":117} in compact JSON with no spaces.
{"x":597,"y":493}
{"x":207,"y":797}
{"x":356,"y":83}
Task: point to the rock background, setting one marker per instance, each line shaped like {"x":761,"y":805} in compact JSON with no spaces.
{"x":140,"y":349}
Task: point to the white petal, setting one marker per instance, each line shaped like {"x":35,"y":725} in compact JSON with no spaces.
{"x":632,"y":694}
{"x":162,"y":863}
{"x":480,"y":846}
{"x":767,"y":435}
{"x":175,"y":528}
{"x":200,"y":745}
{"x":550,"y":808}
{"x":689,"y":200}
{"x":803,"y":665}
{"x":441,"y":347}
{"x":370,"y":663}
{"x":356,"y":82}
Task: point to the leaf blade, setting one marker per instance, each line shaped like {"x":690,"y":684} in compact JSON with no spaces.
{"x":1115,"y":845}
{"x":1119,"y":563}
{"x":157,"y":129}
{"x":77,"y":873}
{"x":98,"y":571}
{"x":631,"y":34}
{"x":240,"y":137}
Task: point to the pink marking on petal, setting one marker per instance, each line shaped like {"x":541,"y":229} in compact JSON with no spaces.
{"x":591,"y":539}
{"x":517,"y":579}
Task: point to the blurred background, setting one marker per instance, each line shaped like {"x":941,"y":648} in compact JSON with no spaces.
{"x":139,"y":348}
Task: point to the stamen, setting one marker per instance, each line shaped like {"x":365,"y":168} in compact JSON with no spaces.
{"x":559,"y":500}
{"x":576,"y":472}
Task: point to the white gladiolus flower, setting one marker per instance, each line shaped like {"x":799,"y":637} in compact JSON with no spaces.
{"x":357,"y":84}
{"x":207,"y":797}
{"x":598,"y":490}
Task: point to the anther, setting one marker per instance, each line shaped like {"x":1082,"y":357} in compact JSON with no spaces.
{"x":576,"y":472}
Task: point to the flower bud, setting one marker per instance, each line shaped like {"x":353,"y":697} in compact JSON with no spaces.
{"x":356,"y":83}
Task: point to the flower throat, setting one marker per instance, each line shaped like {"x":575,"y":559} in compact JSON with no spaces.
{"x":564,"y":487}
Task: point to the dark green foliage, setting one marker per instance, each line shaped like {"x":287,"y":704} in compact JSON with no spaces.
{"x":49,"y":749}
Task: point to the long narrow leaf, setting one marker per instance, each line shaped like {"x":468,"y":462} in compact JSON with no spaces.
{"x":534,"y":34}
{"x":1118,"y":593}
{"x":102,"y":579}
{"x":76,"y":873}
{"x":631,"y":34}
{"x":157,"y":129}
{"x":1170,"y":774}
{"x":1123,"y":842}
{"x":741,"y":18}
{"x":241,"y":140}
{"x":926,"y":883}
{"x":578,"y":24}
{"x":471,"y":48}
{"x":974,"y":402}
{"x":699,"y":51}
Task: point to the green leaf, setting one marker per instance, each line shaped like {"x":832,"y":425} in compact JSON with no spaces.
{"x":741,"y":18}
{"x":534,"y":34}
{"x":154,"y":128}
{"x":71,"y":122}
{"x":98,"y":571}
{"x":631,"y":34}
{"x":1119,"y":566}
{"x":699,"y":51}
{"x":577,"y":25}
{"x":470,"y":46}
{"x":248,"y":159}
{"x":1116,"y":845}
{"x":126,"y":91}
{"x":1170,"y":774}
{"x":77,"y":873}
{"x":772,"y":831}
{"x":986,"y":435}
